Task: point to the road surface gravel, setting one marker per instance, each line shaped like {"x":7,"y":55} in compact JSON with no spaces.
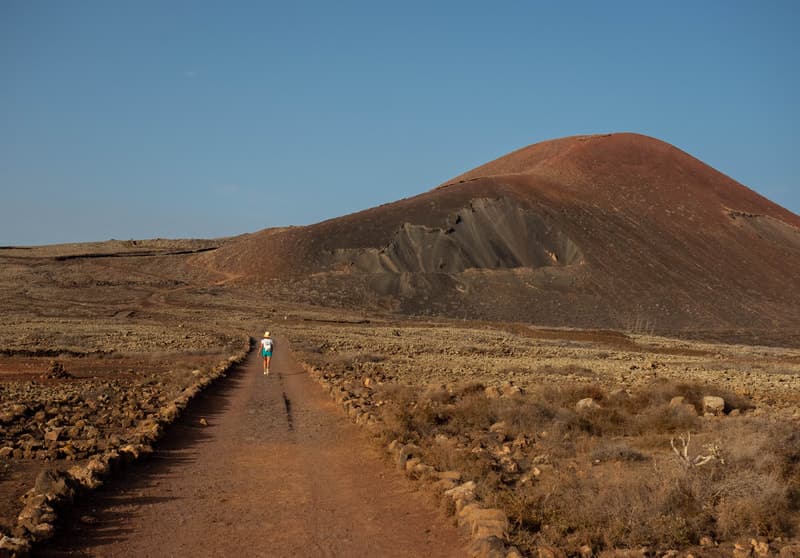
{"x":260,"y":466}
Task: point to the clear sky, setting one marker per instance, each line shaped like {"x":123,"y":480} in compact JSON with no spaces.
{"x":143,"y":119}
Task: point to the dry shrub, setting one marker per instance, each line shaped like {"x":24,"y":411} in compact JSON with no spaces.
{"x":661,"y":391}
{"x":473,"y":411}
{"x":663,"y":419}
{"x":604,"y":510}
{"x":400,"y":394}
{"x":783,"y":451}
{"x":567,"y":395}
{"x":468,"y":388}
{"x":397,"y":411}
{"x":437,"y":394}
{"x":617,"y":451}
{"x":447,"y":456}
{"x":631,"y":497}
{"x":753,"y":503}
{"x":525,"y":416}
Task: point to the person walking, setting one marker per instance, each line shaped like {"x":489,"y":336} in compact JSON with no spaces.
{"x":267,"y":346}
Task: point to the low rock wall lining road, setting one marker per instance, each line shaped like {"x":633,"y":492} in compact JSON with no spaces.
{"x":487,"y":528}
{"x":54,"y":491}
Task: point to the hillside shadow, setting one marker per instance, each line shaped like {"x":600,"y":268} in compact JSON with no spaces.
{"x":101,"y":517}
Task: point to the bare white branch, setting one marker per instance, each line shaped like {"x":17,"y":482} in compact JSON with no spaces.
{"x":714,"y":452}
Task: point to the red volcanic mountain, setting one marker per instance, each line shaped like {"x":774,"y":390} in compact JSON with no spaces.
{"x":619,"y":230}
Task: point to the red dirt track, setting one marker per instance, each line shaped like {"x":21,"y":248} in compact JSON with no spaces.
{"x":278,"y":472}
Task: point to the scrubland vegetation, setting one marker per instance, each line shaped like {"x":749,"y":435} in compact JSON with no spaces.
{"x":586,"y":453}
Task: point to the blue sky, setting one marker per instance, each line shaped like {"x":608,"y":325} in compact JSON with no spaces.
{"x":201,"y":119}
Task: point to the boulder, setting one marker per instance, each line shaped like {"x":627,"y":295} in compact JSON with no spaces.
{"x":713,"y":405}
{"x":53,"y":486}
{"x":463,"y":515}
{"x":547,"y":551}
{"x":586,"y":404}
{"x":445,"y":484}
{"x":85,"y":476}
{"x":170,"y":412}
{"x":407,"y":452}
{"x":43,"y":532}
{"x":760,"y":547}
{"x":52,"y":436}
{"x":500,"y":428}
{"x":677,"y":401}
{"x":488,"y":523}
{"x":455,"y":476}
{"x":487,"y":547}
{"x":13,"y":547}
{"x":423,"y":471}
{"x":28,"y":518}
{"x":707,"y":541}
{"x":742,"y":550}
{"x":643,"y":552}
{"x":464,"y":491}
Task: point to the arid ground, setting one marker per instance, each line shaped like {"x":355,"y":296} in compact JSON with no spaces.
{"x":590,"y":346}
{"x":568,"y":431}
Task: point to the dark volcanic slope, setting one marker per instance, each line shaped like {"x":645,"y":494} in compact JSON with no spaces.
{"x":619,"y":230}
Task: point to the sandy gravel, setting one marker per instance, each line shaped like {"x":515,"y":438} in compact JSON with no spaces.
{"x":276,"y":472}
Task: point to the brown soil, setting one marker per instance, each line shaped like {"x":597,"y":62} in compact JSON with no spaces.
{"x":277,"y":472}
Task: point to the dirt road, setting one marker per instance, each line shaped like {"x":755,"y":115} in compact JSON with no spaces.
{"x":276,"y":472}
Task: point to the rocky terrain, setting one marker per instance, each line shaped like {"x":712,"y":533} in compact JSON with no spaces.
{"x":580,"y":443}
{"x":591,"y":345}
{"x":95,"y":358}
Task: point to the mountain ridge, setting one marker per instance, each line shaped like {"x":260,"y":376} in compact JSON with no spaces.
{"x":588,"y":231}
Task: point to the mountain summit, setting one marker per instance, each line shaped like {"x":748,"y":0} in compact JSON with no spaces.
{"x":618,"y":230}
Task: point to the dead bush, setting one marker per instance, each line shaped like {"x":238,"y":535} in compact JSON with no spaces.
{"x":662,"y":391}
{"x":596,"y":507}
{"x":617,"y":451}
{"x":528,"y":415}
{"x":612,"y":479}
{"x":473,"y":465}
{"x":751,"y":503}
{"x":468,"y":388}
{"x":664,"y":419}
{"x":568,"y":395}
{"x":437,"y":394}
